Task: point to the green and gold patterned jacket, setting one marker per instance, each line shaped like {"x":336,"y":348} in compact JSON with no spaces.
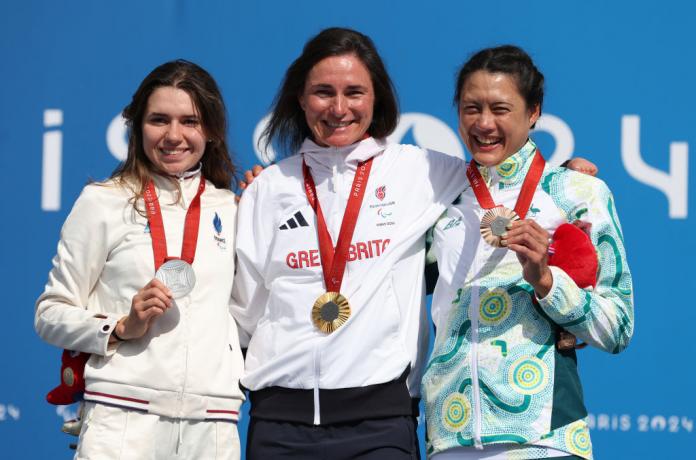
{"x":495,"y":375}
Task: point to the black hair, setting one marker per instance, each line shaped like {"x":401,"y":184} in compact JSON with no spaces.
{"x":510,"y":60}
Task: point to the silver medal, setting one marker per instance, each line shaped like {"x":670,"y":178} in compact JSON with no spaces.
{"x":178,"y":276}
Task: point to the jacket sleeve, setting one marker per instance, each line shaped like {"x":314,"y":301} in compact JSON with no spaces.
{"x":447,"y":176}
{"x":254,"y":236}
{"x":433,"y":181}
{"x":603,"y":316}
{"x":62,"y":317}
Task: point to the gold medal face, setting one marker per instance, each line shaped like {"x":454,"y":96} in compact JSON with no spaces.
{"x":494,"y":223}
{"x":330,"y":311}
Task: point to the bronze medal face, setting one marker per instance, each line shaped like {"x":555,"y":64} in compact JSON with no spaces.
{"x":494,"y":224}
{"x":330,"y":311}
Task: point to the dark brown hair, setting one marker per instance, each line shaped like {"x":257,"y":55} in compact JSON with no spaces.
{"x":288,"y":128}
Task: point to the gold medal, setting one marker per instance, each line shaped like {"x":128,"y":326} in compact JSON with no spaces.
{"x":330,"y":311}
{"x":494,"y":224}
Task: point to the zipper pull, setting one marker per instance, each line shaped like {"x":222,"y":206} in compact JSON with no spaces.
{"x":332,"y":179}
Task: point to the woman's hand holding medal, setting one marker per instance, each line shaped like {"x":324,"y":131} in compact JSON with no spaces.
{"x":531,"y":244}
{"x":148,"y":303}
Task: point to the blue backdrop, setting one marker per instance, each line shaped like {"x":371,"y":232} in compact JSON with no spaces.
{"x":619,"y":92}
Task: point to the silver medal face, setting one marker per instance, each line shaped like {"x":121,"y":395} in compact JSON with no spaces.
{"x":178,"y":276}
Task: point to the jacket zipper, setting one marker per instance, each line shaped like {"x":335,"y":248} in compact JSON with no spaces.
{"x":186,"y":323}
{"x":474,"y":310}
{"x":335,"y":185}
{"x":475,"y":388}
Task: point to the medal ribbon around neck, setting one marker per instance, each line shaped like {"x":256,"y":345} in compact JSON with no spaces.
{"x":498,"y":213}
{"x":176,"y":273}
{"x":331,"y":310}
{"x":154,"y":217}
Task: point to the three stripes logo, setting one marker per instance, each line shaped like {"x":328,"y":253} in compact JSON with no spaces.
{"x":297,"y":220}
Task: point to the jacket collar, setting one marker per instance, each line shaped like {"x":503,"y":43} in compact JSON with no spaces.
{"x":325,"y":158}
{"x":511,"y":171}
{"x":169,"y":187}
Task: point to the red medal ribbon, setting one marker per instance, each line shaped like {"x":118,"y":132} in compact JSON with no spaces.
{"x":154,"y":217}
{"x":333,"y":260}
{"x":524,"y":199}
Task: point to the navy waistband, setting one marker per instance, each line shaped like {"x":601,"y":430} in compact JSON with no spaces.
{"x":341,"y":405}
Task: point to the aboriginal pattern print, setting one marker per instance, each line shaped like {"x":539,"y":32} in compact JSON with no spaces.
{"x":492,"y":376}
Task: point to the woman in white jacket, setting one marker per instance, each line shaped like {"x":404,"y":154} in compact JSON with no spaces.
{"x":336,"y":338}
{"x":161,"y":381}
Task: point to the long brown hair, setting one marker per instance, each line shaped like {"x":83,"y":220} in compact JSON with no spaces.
{"x":217,"y":166}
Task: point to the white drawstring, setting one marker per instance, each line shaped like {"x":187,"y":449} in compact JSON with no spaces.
{"x":180,"y":439}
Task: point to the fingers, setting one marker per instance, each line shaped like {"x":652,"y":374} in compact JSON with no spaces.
{"x":151,"y":300}
{"x":589,"y":171}
{"x":249,"y":176}
{"x":527,"y":239}
{"x":147,"y":304}
{"x":583,"y":166}
{"x":530,"y":242}
{"x":155,"y":293}
{"x":153,"y":312}
{"x":246,"y":180}
{"x":526,"y":230}
{"x":154,"y":282}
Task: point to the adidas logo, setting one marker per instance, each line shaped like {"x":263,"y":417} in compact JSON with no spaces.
{"x":297,"y":221}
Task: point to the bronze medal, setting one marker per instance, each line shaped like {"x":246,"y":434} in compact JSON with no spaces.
{"x":494,"y":224}
{"x":330,"y":311}
{"x":496,"y":219}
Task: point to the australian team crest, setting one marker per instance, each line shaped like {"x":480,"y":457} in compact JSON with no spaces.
{"x":381,"y":192}
{"x":219,"y":239}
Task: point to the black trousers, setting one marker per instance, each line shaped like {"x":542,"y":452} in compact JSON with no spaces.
{"x":392,"y":438}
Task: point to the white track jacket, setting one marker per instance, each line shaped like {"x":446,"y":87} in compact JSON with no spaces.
{"x":189,"y":363}
{"x":279,"y":273}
